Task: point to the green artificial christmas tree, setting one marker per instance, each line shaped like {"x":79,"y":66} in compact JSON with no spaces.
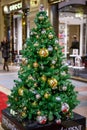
{"x":43,"y":91}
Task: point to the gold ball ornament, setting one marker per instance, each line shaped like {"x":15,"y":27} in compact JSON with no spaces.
{"x":53,"y":83}
{"x":51,"y":27}
{"x":28,"y":66}
{"x":37,"y":36}
{"x":25,"y":108}
{"x":16,"y":99}
{"x":20,"y":91}
{"x":23,"y":114}
{"x":36,"y":44}
{"x":43,"y":52}
{"x":56,"y":48}
{"x":44,"y":78}
{"x":34,"y":104}
{"x":39,"y":113}
{"x":53,"y":66}
{"x":48,"y":28}
{"x":46,"y":95}
{"x":21,"y":70}
{"x":50,"y":36}
{"x":30,"y":78}
{"x":27,"y":81}
{"x":41,"y":17}
{"x":35,"y":64}
{"x":35,"y":84}
{"x":24,"y":61}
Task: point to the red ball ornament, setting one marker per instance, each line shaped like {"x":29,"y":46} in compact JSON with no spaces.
{"x":65,"y":107}
{"x":41,"y":119}
{"x":58,"y":121}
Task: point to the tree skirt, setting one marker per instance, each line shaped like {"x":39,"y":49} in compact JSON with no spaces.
{"x":3,"y":104}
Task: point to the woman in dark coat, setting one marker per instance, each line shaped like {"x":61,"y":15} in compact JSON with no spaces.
{"x":5,"y":47}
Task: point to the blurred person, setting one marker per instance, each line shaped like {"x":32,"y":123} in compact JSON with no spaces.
{"x":75,"y":43}
{"x":5,"y":48}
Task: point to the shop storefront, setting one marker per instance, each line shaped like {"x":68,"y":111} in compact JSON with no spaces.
{"x":68,"y":18}
{"x":18,"y":20}
{"x":16,"y":25}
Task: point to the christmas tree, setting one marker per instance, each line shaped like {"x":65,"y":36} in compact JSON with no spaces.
{"x":43,"y":91}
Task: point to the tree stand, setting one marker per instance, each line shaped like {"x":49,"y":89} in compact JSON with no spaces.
{"x":11,"y":123}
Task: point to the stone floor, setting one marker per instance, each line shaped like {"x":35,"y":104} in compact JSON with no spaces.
{"x":82,"y":96}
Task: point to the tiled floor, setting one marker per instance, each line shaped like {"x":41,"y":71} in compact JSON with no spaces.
{"x":82,"y":96}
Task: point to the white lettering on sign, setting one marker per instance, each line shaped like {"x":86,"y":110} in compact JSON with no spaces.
{"x":73,"y":128}
{"x":15,"y":6}
{"x":8,"y":124}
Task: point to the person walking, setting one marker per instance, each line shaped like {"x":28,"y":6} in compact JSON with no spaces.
{"x":5,"y":48}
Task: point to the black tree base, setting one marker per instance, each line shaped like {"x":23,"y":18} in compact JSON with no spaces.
{"x":11,"y":123}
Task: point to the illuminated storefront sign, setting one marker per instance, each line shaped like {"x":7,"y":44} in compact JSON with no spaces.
{"x":12,"y":7}
{"x":15,"y":6}
{"x":55,"y":1}
{"x":6,"y":9}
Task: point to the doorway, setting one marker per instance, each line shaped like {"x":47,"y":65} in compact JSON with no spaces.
{"x":73,"y":30}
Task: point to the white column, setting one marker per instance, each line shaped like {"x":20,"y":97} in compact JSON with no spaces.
{"x":81,"y":39}
{"x":28,"y":28}
{"x":65,"y":39}
{"x":19,"y":31}
{"x":86,"y":37}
